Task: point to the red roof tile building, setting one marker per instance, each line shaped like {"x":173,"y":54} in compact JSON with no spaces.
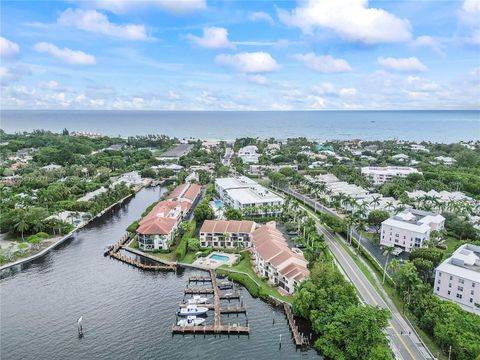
{"x":274,"y":260}
{"x":226,"y":233}
{"x":159,"y":227}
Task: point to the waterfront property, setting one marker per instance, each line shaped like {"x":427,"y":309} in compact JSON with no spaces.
{"x":159,"y":227}
{"x":275,"y":261}
{"x":458,"y":278}
{"x":410,"y":229}
{"x":380,"y":175}
{"x":226,"y":234}
{"x":244,"y":194}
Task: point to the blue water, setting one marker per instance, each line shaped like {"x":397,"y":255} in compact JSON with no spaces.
{"x":218,"y":204}
{"x":436,"y":126}
{"x":219,"y":257}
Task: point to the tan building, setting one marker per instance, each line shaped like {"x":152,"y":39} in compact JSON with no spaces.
{"x":226,"y":234}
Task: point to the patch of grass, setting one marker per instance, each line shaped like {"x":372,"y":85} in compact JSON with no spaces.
{"x":133,"y":244}
{"x":245,"y":265}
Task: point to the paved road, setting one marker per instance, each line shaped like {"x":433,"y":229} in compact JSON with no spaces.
{"x":405,"y":346}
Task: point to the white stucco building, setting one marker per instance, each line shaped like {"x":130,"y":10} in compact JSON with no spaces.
{"x":380,"y":175}
{"x":243,"y":193}
{"x":458,"y":278}
{"x":410,"y":229}
{"x":249,"y":154}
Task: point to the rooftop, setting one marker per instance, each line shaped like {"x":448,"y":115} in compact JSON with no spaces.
{"x":464,"y":262}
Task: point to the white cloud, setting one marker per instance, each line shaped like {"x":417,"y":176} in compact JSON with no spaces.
{"x":351,"y":19}
{"x":470,"y":12}
{"x":249,"y":62}
{"x":125,"y":6}
{"x":256,"y":78}
{"x":475,"y":72}
{"x":411,"y":64}
{"x":66,"y":55}
{"x":213,"y":38}
{"x":261,"y":16}
{"x":8,"y":48}
{"x":96,"y":22}
{"x":348,"y":92}
{"x":324,"y":64}
{"x":428,"y":41}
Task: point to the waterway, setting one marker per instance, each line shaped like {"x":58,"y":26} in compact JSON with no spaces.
{"x":127,"y":313}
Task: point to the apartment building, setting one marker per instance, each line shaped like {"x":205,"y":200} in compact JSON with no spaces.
{"x":226,"y":234}
{"x":249,"y":154}
{"x":158,"y":228}
{"x":410,"y":229}
{"x":274,"y":260}
{"x":244,"y":194}
{"x":380,"y":175}
{"x":458,"y":278}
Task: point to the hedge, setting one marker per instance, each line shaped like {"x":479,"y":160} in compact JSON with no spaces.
{"x":133,"y":226}
{"x":249,"y":284}
{"x":182,"y":246}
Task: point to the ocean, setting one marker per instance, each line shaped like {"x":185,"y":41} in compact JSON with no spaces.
{"x":434,"y":126}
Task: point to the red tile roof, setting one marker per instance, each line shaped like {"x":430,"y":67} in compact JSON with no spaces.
{"x":225,"y":226}
{"x":157,"y":226}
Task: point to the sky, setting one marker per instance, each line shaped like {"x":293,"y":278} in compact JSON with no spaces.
{"x":240,"y":55}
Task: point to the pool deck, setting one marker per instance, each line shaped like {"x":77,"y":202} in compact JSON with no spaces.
{"x":213,"y":263}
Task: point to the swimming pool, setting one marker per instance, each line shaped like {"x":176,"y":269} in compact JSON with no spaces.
{"x":218,"y":257}
{"x":218,"y":204}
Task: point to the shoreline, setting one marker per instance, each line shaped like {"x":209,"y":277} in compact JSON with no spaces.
{"x":65,"y":237}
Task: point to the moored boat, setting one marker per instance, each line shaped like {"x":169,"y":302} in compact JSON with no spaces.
{"x":192,"y":309}
{"x":107,"y":250}
{"x":191,"y":320}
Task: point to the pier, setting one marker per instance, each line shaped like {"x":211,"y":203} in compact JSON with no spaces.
{"x":217,"y":327}
{"x":297,"y":338}
{"x":121,"y":244}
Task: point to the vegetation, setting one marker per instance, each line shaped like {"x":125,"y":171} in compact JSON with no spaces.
{"x":345,"y":329}
{"x":188,"y":233}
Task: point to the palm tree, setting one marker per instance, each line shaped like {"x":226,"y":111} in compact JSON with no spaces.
{"x":21,"y":223}
{"x":375,"y":201}
{"x":389,"y":251}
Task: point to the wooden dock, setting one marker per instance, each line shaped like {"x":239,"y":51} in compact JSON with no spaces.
{"x":138,"y":264}
{"x":114,"y":253}
{"x":297,"y":338}
{"x":234,"y":296}
{"x":199,"y":279}
{"x":217,"y":327}
{"x":232,"y":329}
{"x":199,"y":291}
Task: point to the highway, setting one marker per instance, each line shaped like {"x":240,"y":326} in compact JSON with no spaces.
{"x":404,"y":342}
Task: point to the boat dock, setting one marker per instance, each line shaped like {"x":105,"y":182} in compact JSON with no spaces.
{"x":217,"y":327}
{"x":114,"y":253}
{"x":199,"y":279}
{"x":297,"y":337}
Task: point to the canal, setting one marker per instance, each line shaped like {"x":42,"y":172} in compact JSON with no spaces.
{"x":127,"y":313}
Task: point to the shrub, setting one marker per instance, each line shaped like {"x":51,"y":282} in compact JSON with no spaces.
{"x":133,"y":226}
{"x":43,"y":235}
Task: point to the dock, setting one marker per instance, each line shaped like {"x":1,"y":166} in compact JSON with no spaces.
{"x":199,"y":279}
{"x":297,"y":338}
{"x":114,"y":253}
{"x":217,"y":327}
{"x":198,"y":291}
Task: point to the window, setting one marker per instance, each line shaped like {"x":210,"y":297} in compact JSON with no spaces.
{"x":471,"y":292}
{"x":438,"y":282}
{"x":451,"y":277}
{"x":473,"y":284}
{"x":448,"y":292}
{"x":439,"y":274}
{"x":449,"y":285}
{"x":438,"y":288}
{"x":471,"y":300}
{"x":460,"y":288}
{"x":461,"y":281}
{"x":459,"y":296}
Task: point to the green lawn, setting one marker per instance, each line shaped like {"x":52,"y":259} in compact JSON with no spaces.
{"x":245,"y":265}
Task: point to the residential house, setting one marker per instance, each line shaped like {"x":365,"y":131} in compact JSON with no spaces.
{"x":228,"y":234}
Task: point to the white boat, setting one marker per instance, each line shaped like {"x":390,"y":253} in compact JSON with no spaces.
{"x":197,"y":299}
{"x":190,"y":321}
{"x":192,"y":309}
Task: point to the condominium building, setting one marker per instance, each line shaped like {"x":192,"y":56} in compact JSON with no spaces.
{"x":410,"y":229}
{"x":158,"y":228}
{"x":458,"y":278}
{"x":380,"y":175}
{"x":249,"y":154}
{"x":275,"y":261}
{"x":226,"y":234}
{"x":244,"y":194}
